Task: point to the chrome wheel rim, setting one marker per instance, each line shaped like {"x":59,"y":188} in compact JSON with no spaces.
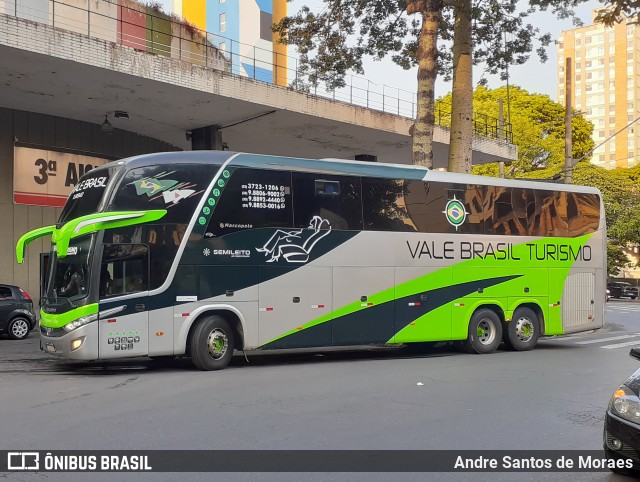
{"x":217,"y":344}
{"x":524,"y":329}
{"x":485,"y":332}
{"x":20,"y":328}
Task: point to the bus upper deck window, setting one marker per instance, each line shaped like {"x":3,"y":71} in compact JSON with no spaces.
{"x":327,"y":188}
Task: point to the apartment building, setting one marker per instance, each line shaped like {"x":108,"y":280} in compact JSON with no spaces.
{"x":605,"y":87}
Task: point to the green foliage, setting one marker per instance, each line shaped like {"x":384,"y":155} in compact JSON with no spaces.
{"x":538,"y":131}
{"x":621,"y":197}
{"x":616,"y":259}
{"x":334,"y":40}
{"x":615,"y":11}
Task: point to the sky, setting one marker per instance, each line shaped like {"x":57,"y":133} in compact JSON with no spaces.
{"x":534,"y":76}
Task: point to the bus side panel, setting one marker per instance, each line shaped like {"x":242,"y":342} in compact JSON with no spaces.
{"x":553,"y":321}
{"x":290,"y":299}
{"x":578,"y":301}
{"x":161,"y":332}
{"x":412,"y":296}
{"x":370,"y":324}
{"x":126,"y":335}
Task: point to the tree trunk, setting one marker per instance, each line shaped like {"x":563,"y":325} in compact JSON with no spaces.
{"x":427,"y":56}
{"x":460,"y":144}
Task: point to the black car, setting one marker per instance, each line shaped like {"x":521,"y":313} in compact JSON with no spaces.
{"x":622,"y":425}
{"x":620,"y":289}
{"x":17,"y":317}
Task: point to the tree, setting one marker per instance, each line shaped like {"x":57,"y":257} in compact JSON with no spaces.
{"x":621,"y":197}
{"x":336,"y":40}
{"x":538,"y":131}
{"x":616,"y":259}
{"x":616,"y":11}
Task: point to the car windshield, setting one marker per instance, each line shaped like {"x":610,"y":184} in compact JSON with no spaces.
{"x":69,"y":279}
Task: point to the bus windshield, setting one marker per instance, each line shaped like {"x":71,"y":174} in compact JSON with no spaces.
{"x":87,"y":196}
{"x":70,"y":276}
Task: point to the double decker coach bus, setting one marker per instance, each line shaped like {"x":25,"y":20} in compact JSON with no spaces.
{"x":200,"y":253}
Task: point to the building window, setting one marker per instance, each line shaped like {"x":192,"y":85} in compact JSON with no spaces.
{"x":601,"y":134}
{"x":587,"y":64}
{"x":578,"y":91}
{"x":223,"y":22}
{"x":578,"y":77}
{"x":629,"y":55}
{"x":578,"y":65}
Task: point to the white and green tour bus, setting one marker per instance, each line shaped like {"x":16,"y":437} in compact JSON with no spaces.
{"x":200,"y":253}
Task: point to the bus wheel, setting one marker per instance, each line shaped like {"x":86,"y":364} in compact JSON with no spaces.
{"x":485,"y":332}
{"x":523,"y":331}
{"x":211,"y":343}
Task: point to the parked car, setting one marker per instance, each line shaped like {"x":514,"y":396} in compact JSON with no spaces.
{"x":622,"y":425}
{"x":621,"y":289}
{"x":607,"y":295}
{"x":17,"y":317}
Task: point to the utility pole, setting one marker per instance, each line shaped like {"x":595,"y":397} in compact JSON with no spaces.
{"x":500,"y":136}
{"x":568,"y":145}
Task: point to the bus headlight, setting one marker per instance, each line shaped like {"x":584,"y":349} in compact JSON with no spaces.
{"x":83,"y":320}
{"x":625,"y":404}
{"x":77,"y":343}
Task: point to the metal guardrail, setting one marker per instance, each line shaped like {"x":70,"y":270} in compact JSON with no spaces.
{"x":146,"y":28}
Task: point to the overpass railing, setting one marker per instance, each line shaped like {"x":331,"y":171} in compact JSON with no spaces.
{"x":145,"y":27}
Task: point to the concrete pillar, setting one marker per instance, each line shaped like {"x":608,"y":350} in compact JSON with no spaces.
{"x":207,"y":138}
{"x":366,"y":158}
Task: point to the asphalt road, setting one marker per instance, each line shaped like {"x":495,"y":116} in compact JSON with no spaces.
{"x":553,"y":397}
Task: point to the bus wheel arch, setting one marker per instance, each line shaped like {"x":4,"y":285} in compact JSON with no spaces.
{"x":525,"y":328}
{"x":485,"y":330}
{"x":212,"y":338}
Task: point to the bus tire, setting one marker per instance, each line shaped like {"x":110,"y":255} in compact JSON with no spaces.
{"x":485,"y":332}
{"x":523,"y":331}
{"x":211,"y":343}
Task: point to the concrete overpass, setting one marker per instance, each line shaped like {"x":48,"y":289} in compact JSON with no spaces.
{"x":59,"y":72}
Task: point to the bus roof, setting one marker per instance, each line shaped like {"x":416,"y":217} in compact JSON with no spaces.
{"x":339,"y":167}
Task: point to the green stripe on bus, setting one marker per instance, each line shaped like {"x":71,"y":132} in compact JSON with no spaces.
{"x":50,"y":320}
{"x":547,"y":286}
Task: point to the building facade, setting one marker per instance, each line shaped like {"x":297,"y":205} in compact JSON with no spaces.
{"x":242,"y":30}
{"x":605,"y":87}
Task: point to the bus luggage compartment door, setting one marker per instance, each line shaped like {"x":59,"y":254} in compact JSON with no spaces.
{"x":289,"y":301}
{"x":124,"y":334}
{"x":578,"y":302}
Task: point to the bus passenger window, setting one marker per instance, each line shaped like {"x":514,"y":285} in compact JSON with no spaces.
{"x":125,"y":269}
{"x":336,"y":199}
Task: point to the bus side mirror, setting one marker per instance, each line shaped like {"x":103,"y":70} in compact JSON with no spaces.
{"x":28,"y":237}
{"x":635,"y":353}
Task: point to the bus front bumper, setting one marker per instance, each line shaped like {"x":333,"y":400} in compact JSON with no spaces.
{"x":80,"y":344}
